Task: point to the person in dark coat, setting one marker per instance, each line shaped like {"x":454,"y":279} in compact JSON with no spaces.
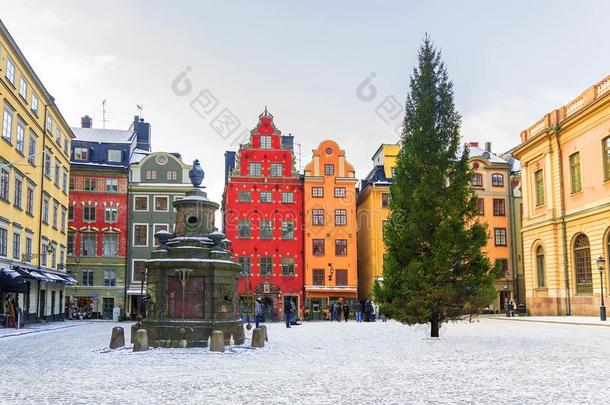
{"x":358,"y":311}
{"x":334,"y":314}
{"x":368,"y":310}
{"x":258,"y":311}
{"x":288,"y":312}
{"x":346,"y":311}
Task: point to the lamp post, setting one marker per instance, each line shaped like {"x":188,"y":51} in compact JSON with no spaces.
{"x":507,"y":297}
{"x":600,"y":266}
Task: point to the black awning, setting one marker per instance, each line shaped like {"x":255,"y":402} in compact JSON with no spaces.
{"x":11,"y":281}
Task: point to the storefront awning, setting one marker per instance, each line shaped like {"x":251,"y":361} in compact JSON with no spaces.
{"x":69,"y":280}
{"x":12,"y":281}
{"x":42,"y":276}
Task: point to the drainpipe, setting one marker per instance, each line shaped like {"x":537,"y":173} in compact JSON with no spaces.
{"x":556,"y":130}
{"x":127,"y":252}
{"x":513,"y":247}
{"x":44,"y":138}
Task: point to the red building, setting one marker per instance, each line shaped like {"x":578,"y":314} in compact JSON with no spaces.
{"x":263,"y":217}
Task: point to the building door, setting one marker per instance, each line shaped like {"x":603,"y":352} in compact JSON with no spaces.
{"x":42,"y":302}
{"x":267,"y":304}
{"x":108,"y":306}
{"x":53,"y":304}
{"x":315,"y":309}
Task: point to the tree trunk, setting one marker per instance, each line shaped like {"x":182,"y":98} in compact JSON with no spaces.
{"x":434,"y":325}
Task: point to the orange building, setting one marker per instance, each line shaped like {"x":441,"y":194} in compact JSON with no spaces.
{"x":330,"y":230}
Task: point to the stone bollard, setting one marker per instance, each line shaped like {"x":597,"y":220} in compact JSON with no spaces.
{"x":134,"y":328}
{"x":258,"y":337}
{"x":217,"y":341}
{"x":140,"y":343}
{"x":264,"y":328}
{"x":239,"y":336}
{"x":118,"y":338}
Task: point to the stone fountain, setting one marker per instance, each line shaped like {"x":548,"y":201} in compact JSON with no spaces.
{"x":192,"y":279}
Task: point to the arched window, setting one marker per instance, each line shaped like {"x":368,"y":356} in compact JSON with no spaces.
{"x":540,"y":266}
{"x":582,"y":265}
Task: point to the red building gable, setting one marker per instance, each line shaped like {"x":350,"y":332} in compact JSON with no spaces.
{"x":263,"y":206}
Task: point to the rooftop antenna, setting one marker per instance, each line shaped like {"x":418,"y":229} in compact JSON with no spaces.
{"x":299,"y":146}
{"x":104,"y":113}
{"x":140,"y":108}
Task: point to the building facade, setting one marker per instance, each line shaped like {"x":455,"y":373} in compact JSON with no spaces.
{"x":373,"y":204}
{"x":263,"y":217}
{"x":34,"y":171}
{"x":98,"y":232}
{"x":565,"y":158}
{"x":156,"y":180}
{"x":330,"y":239}
{"x":491,"y":180}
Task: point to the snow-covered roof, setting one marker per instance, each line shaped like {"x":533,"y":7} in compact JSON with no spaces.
{"x":103,"y":135}
{"x":479,"y":152}
{"x":138,"y":154}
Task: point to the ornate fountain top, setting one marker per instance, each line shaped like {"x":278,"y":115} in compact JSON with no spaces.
{"x":196,"y":174}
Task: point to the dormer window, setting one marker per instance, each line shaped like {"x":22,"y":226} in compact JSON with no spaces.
{"x":81,"y":154}
{"x":477,"y":180}
{"x":114,"y":155}
{"x":497,"y":180}
{"x":265,"y":142}
{"x":329,"y":170}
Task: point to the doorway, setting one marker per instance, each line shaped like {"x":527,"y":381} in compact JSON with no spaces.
{"x":315,"y":309}
{"x":268,"y":311}
{"x":108,"y":306}
{"x":41,"y":304}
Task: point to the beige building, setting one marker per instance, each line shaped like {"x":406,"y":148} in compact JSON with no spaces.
{"x":565,"y":159}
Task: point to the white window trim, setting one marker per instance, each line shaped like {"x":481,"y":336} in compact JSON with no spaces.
{"x":134,"y":203}
{"x":167,"y":228}
{"x":155,"y":203}
{"x":133,"y":240}
{"x":133,"y":266}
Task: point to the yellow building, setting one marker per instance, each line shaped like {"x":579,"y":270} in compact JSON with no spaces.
{"x":331,"y":271}
{"x":372,"y":211}
{"x":565,"y":159}
{"x":34,"y":171}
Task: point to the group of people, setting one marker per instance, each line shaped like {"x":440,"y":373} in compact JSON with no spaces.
{"x":364,"y":311}
{"x":13,"y":314}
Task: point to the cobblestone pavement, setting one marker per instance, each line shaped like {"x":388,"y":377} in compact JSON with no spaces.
{"x":489,"y":361}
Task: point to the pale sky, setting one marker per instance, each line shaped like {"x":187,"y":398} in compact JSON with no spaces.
{"x":511,"y":62}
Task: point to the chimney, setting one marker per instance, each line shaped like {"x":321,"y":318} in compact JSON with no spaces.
{"x":142,"y":130}
{"x":488,"y":146}
{"x":86,"y":122}
{"x":473,"y":144}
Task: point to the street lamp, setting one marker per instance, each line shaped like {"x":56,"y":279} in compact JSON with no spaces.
{"x":600,"y":266}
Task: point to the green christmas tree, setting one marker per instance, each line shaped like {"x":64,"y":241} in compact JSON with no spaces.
{"x":434,"y":270}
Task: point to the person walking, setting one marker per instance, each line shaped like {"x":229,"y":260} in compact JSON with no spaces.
{"x":358,"y":311}
{"x":368,"y":310}
{"x":258,"y":311}
{"x":333,"y":311}
{"x":293,"y":313}
{"x":288,"y":312}
{"x":345,"y":311}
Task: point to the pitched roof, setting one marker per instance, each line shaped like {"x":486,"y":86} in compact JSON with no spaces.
{"x":477,"y":152}
{"x":103,"y":135}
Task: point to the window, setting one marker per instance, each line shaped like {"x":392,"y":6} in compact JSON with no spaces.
{"x":245,"y":265}
{"x":4,"y":185}
{"x":340,"y":247}
{"x":10,"y":70}
{"x":3,"y":242}
{"x":503,"y":266}
{"x":34,"y":103}
{"x":111,"y":214}
{"x":497,"y":180}
{"x":66,"y":146}
{"x":139,"y":270}
{"x":575,"y":179}
{"x":287,"y":266}
{"x":29,"y":200}
{"x":243,"y":196}
{"x":318,"y":247}
{"x":265,"y":197}
{"x":81,"y":154}
{"x":71,"y":213}
{"x":540,"y":266}
{"x":32,"y":148}
{"x":159,"y":228}
{"x":20,"y":144}
{"x":17,"y":246}
{"x":90,"y":184}
{"x":255,"y":169}
{"x":582,"y":265}
{"x":266,"y":229}
{"x":43,"y":257}
{"x":88,"y":278}
{"x":499,"y":207}
{"x":287,"y":230}
{"x":18,"y":200}
{"x":28,"y":249}
{"x":49,"y":124}
{"x":140,"y":235}
{"x":64,"y":182}
{"x":500,"y":236}
{"x":58,"y":136}
{"x":57,"y":171}
{"x":141,"y":203}
{"x":317,"y":192}
{"x":161,"y":203}
{"x":23,"y":88}
{"x":318,"y":277}
{"x":265,"y":142}
{"x":151,"y":175}
{"x":63,"y":219}
{"x":171,"y":175}
{"x":385,"y":200}
{"x":115,"y":155}
{"x":340,"y":192}
{"x":243,"y":229}
{"x":109,"y":278}
{"x":7,"y":123}
{"x":481,"y":206}
{"x":45,"y":210}
{"x":276,"y":169}
{"x":266,"y":265}
{"x":539,"y":181}
{"x":341,"y":277}
{"x":606,"y":149}
{"x":110,"y":244}
{"x":477,"y":180}
{"x":89,"y":213}
{"x":341,"y":217}
{"x":287,"y":197}
{"x":317,"y":217}
{"x":70,"y":242}
{"x":112,"y":185}
{"x":88,"y":244}
{"x":55,"y":214}
{"x":329,"y":170}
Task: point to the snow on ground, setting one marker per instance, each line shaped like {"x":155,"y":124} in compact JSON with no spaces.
{"x":490,"y":361}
